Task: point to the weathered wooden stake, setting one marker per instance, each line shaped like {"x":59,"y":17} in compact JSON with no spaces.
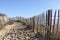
{"x":57,"y":26}
{"x":54,"y":23}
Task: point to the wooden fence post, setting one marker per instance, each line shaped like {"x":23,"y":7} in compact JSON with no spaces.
{"x":54,"y":23}
{"x":46,"y":26}
{"x":49,"y":24}
{"x":57,"y":26}
{"x":38,"y":24}
{"x":33,"y":24}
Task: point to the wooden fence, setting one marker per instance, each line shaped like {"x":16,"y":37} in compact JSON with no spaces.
{"x":47,"y":24}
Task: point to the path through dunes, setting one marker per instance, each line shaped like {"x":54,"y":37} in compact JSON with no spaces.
{"x":17,"y":31}
{"x":6,"y":29}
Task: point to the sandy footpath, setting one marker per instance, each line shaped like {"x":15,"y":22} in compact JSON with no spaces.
{"x":5,"y":29}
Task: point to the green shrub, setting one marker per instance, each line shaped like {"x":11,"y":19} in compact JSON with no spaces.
{"x":24,"y":23}
{"x":17,"y":21}
{"x":9,"y":22}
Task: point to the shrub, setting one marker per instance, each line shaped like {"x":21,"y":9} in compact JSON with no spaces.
{"x":28,"y":27}
{"x":38,"y":34}
{"x":24,"y":23}
{"x":9,"y":22}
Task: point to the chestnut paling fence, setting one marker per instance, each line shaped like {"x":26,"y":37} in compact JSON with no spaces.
{"x":47,"y":24}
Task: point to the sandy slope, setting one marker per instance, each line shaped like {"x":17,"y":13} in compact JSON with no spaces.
{"x":5,"y":29}
{"x":16,"y":31}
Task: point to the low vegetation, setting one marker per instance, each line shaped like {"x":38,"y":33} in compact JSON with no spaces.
{"x":9,"y":22}
{"x":23,"y":22}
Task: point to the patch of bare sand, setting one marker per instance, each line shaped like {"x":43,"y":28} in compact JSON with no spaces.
{"x":5,"y":29}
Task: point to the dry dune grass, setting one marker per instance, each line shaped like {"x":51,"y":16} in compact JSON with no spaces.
{"x":55,"y":28}
{"x":41,"y":29}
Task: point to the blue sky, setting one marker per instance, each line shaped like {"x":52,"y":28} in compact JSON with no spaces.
{"x":27,"y":8}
